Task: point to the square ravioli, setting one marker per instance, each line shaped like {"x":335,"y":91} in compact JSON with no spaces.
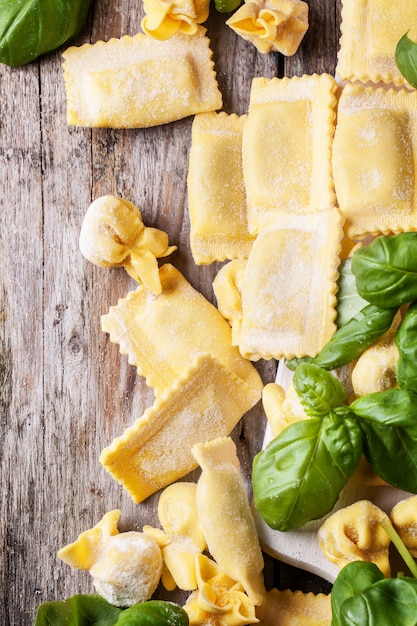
{"x":136,"y":82}
{"x":216,"y":190}
{"x":162,"y":334}
{"x":289,"y":287}
{"x":374,"y":160}
{"x":287,"y":148}
{"x":370,"y":31}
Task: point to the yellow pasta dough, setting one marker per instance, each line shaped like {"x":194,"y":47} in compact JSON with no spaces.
{"x":163,"y":18}
{"x":289,"y":287}
{"x":286,"y":143}
{"x":370,"y":31}
{"x":136,"y":82}
{"x":156,"y":450}
{"x":162,"y":334}
{"x":227,"y":287}
{"x":295,"y":608}
{"x":374,"y":160}
{"x":272,"y":25}
{"x":216,"y":189}
{"x":225,"y":516}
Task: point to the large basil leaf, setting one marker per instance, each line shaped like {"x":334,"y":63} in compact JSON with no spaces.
{"x":93,"y":610}
{"x":299,"y":475}
{"x":318,"y":390}
{"x":386,"y":270}
{"x":349,"y":302}
{"x":388,"y":602}
{"x":406,"y":340}
{"x":406,"y":59}
{"x":393,"y":407}
{"x":29,"y":28}
{"x":352,"y":579}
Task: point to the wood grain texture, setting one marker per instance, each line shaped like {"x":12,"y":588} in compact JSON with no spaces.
{"x":65,"y":391}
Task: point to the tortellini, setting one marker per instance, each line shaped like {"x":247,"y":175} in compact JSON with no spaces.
{"x":126,"y":567}
{"x":114,"y":235}
{"x":375,"y":370}
{"x":404,"y":519}
{"x":272,"y":25}
{"x":354,"y":533}
{"x":165,"y":18}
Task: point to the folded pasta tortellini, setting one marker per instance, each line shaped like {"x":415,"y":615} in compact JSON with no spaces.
{"x":282,"y":408}
{"x":370,"y":31}
{"x":207,"y":402}
{"x":374,"y":160}
{"x":182,"y":538}
{"x":136,"y":82}
{"x":126,"y":567}
{"x":404,"y":519}
{"x":165,"y":18}
{"x":114,"y":235}
{"x":354,"y":533}
{"x":375,"y":370}
{"x":226,"y":518}
{"x":272,"y":25}
{"x":216,"y":189}
{"x":219,"y":600}
{"x":227,"y":287}
{"x":286,"y":147}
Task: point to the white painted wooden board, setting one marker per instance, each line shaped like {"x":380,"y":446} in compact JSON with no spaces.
{"x":300,"y":547}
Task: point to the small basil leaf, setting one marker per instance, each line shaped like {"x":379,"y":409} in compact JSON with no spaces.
{"x":318,"y":390}
{"x":299,"y":475}
{"x":79,"y":610}
{"x":154,"y":613}
{"x":352,"y":579}
{"x":406,"y":341}
{"x":385,"y":603}
{"x":393,"y":407}
{"x":349,"y":302}
{"x":386,"y":270}
{"x":406,"y":59}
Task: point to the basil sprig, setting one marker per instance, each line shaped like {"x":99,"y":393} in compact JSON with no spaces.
{"x":93,"y":610}
{"x":406,"y":59}
{"x":361,"y":596}
{"x":299,"y":475}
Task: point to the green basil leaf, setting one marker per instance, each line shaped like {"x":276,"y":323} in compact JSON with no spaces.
{"x":406,"y":59}
{"x":352,"y":579}
{"x":80,"y":610}
{"x":393,"y":407}
{"x":29,"y":29}
{"x":386,"y":270}
{"x":318,"y":390}
{"x":299,"y":475}
{"x":154,"y":613}
{"x":227,"y":6}
{"x":349,"y":302}
{"x":385,"y":603}
{"x":406,"y":341}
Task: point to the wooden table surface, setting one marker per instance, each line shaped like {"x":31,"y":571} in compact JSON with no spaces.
{"x":65,"y":391}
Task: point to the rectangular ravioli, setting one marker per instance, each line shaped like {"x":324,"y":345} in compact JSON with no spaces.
{"x":289,"y":287}
{"x":287,"y":148}
{"x":162,"y":334}
{"x":136,"y":82}
{"x":216,"y":189}
{"x":374,"y":160}
{"x":370,"y":31}
{"x":205,"y":403}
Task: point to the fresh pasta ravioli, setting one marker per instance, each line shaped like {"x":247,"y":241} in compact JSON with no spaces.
{"x":370,"y":31}
{"x":374,"y":160}
{"x":289,"y":287}
{"x":136,"y":82}
{"x":286,"y":143}
{"x":162,"y":334}
{"x":216,"y":189}
{"x":207,"y":402}
{"x":294,"y":608}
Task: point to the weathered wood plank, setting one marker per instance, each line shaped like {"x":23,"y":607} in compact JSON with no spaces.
{"x":65,"y":391}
